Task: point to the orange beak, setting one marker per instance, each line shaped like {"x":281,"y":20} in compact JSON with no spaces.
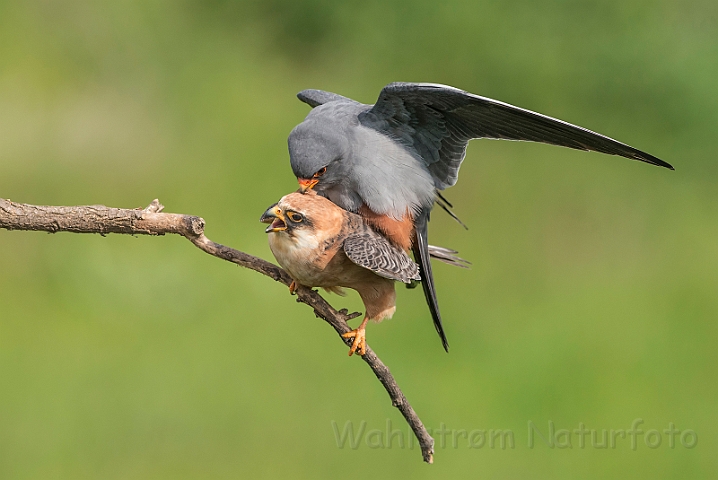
{"x":307,"y":183}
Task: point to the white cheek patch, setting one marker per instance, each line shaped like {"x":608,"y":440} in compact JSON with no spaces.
{"x":304,"y":240}
{"x":296,"y":253}
{"x":296,"y":247}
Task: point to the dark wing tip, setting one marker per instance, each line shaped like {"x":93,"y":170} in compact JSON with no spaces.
{"x":427,"y":284}
{"x":645,"y":157}
{"x":445,"y":343}
{"x":421,"y":253}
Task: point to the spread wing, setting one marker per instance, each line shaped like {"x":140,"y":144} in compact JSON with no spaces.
{"x":438,"y":121}
{"x":372,"y":251}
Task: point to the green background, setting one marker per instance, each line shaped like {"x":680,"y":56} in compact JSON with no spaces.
{"x":594,"y":289}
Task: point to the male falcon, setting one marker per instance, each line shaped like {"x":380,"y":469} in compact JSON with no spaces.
{"x":322,"y":245}
{"x":389,"y":161}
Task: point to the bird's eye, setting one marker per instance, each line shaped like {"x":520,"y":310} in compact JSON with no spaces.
{"x":320,"y":172}
{"x":295,"y":217}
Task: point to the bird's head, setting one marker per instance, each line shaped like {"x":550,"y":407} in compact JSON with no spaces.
{"x":300,"y":215}
{"x":316,"y":155}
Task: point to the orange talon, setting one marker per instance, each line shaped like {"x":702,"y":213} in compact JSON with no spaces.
{"x":359,"y":335}
{"x":293,"y":288}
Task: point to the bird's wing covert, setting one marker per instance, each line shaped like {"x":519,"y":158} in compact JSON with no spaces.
{"x":437,"y":121}
{"x":314,"y":98}
{"x":370,"y":250}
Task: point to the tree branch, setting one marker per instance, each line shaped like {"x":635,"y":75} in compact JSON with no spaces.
{"x":150,"y":221}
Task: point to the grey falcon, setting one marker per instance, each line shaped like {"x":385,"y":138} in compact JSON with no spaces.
{"x":390,"y":161}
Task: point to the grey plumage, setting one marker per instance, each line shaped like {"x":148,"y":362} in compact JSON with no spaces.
{"x":383,"y":152}
{"x":314,"y":98}
{"x":395,"y":156}
{"x":367,"y":166}
{"x":437,"y":122}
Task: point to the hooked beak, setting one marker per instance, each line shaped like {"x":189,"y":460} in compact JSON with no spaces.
{"x":274,"y":216}
{"x":307,"y":183}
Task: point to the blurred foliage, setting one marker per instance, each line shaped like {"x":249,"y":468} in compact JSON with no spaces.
{"x":593,"y":295}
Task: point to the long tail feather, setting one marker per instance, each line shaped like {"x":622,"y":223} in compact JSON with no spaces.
{"x":421,"y":254}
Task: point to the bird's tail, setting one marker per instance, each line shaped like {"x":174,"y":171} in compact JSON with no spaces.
{"x":423,"y":258}
{"x":448,"y":256}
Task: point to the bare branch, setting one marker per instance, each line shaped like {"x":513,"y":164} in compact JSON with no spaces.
{"x":150,"y":221}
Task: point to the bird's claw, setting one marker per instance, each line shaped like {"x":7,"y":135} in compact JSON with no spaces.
{"x":359,"y":343}
{"x":293,"y":288}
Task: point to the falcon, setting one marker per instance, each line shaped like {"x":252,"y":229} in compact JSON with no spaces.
{"x":389,"y":161}
{"x":322,"y":245}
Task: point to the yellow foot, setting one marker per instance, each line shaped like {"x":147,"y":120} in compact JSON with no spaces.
{"x":293,"y":287}
{"x":359,"y":344}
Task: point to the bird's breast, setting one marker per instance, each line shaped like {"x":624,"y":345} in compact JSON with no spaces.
{"x":305,"y":257}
